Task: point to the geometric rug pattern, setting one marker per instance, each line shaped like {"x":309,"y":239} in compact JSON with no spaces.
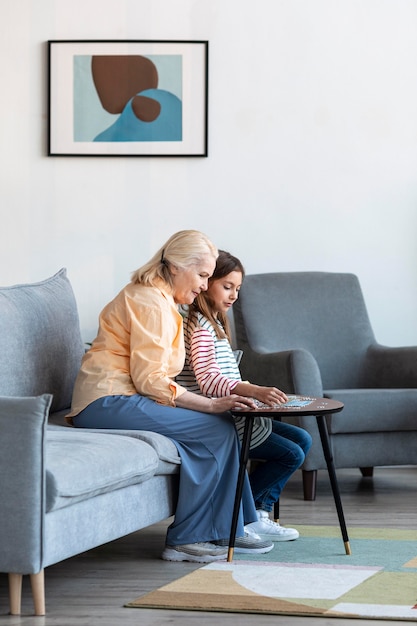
{"x":310,"y":576}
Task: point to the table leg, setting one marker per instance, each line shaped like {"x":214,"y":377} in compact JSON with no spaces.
{"x":244,"y":455}
{"x":276,"y":505}
{"x":324,"y":436}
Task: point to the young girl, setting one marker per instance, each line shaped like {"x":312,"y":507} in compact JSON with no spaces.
{"x":211,"y":370}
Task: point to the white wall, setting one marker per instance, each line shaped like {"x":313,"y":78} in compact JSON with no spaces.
{"x":312,"y":149}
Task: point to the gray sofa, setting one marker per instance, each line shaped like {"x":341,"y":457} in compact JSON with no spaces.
{"x":63,"y":490}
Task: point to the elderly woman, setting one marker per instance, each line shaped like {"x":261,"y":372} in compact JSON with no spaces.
{"x":127,"y":381}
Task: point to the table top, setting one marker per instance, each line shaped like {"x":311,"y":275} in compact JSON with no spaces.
{"x":309,"y":406}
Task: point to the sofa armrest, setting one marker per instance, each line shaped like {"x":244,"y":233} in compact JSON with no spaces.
{"x":22,"y":488}
{"x":387,"y":367}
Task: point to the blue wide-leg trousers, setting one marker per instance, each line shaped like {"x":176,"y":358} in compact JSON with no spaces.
{"x":209,"y":449}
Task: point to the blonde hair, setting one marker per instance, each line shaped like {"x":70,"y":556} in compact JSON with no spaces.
{"x":182,"y":250}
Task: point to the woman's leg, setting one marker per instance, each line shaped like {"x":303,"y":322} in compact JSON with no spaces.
{"x":209,"y":450}
{"x":284,"y":451}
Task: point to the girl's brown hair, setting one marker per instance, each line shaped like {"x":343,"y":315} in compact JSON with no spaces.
{"x":203,"y":304}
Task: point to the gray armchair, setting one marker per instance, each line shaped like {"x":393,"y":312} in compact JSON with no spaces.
{"x":309,"y":333}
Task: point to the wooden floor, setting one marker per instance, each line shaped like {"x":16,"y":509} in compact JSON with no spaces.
{"x":91,"y":589}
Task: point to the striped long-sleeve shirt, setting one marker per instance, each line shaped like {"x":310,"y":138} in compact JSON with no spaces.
{"x":211,"y":369}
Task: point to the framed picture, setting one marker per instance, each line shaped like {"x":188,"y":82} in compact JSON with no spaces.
{"x":128,"y":98}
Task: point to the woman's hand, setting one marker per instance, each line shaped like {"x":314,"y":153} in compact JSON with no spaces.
{"x":267,"y":395}
{"x":270,"y":395}
{"x":195,"y":402}
{"x":226,"y":403}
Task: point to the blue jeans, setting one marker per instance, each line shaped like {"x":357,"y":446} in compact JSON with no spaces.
{"x":284,"y":451}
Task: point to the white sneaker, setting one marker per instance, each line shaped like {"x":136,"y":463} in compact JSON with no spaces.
{"x":274,"y":531}
{"x":251,"y":543}
{"x":204,"y":552}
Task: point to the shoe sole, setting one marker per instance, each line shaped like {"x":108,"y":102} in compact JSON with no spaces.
{"x":277,"y":538}
{"x":254,"y":550}
{"x":173,"y":555}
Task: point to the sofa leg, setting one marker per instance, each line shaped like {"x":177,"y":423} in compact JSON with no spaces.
{"x":37,"y":582}
{"x":15,"y":593}
{"x":309,"y":484}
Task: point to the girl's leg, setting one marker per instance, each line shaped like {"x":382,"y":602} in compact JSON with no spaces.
{"x":284,"y":451}
{"x":209,"y":450}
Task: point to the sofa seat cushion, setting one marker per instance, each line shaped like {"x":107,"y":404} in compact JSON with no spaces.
{"x":81,"y":465}
{"x":169,"y":459}
{"x":164,"y":447}
{"x":373,"y":410}
{"x":167,"y":451}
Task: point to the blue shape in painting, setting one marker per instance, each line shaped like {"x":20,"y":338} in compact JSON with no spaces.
{"x":166,"y":127}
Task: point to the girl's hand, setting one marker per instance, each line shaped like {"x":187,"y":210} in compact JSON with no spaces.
{"x":226,"y":403}
{"x":270,"y":395}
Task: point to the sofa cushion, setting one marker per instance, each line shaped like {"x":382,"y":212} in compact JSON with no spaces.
{"x":167,"y":451}
{"x":163,"y":446}
{"x":169,"y":459}
{"x":80,"y":464}
{"x":40,"y":341}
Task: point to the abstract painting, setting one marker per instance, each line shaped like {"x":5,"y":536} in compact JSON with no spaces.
{"x":128,"y":98}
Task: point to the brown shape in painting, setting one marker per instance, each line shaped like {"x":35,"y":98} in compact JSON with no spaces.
{"x":146,"y":109}
{"x":120,"y":78}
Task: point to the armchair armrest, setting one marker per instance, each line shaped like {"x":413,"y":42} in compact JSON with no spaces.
{"x":293,"y":371}
{"x":305,"y":374}
{"x":394,"y":368}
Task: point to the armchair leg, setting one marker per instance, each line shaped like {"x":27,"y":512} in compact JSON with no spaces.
{"x":309,"y":484}
{"x":367,"y":471}
{"x":37,"y":582}
{"x":15,"y":593}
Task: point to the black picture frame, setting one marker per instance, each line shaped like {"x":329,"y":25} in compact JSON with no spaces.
{"x":142,"y":98}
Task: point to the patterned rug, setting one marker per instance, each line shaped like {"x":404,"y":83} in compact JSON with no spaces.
{"x":311,"y":576}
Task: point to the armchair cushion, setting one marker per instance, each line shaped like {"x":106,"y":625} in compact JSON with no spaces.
{"x":374,"y":410}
